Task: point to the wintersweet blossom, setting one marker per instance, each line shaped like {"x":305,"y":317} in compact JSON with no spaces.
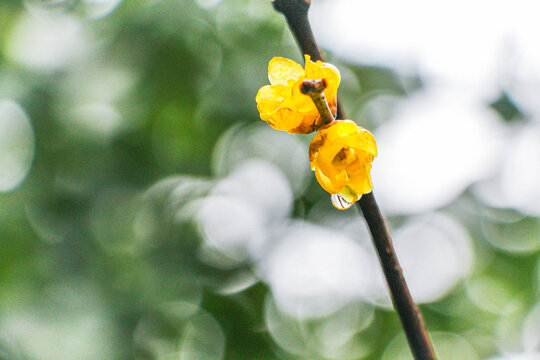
{"x":283,"y":106}
{"x":340,"y":154}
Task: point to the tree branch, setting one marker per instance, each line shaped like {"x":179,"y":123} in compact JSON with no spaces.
{"x":296,"y":14}
{"x":295,"y":11}
{"x":409,"y":314}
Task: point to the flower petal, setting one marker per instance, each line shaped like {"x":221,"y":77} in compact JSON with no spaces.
{"x":270,"y":97}
{"x":287,"y":119}
{"x":320,"y":70}
{"x":281,"y":70}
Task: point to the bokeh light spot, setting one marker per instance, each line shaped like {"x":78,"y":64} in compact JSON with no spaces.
{"x":435,"y":252}
{"x":92,"y":9}
{"x":16,"y":145}
{"x":437,"y":144}
{"x":314,"y":271}
{"x":448,"y":346}
{"x":510,"y":231}
{"x":231,"y":226}
{"x":531,"y":330}
{"x":182,"y":331}
{"x":239,"y":144}
{"x":47,"y":43}
{"x":515,"y":184}
{"x":337,"y":336}
{"x":489,"y":293}
{"x":260,"y":183}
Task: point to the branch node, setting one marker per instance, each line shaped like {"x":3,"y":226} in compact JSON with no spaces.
{"x":309,"y":87}
{"x":314,"y":89}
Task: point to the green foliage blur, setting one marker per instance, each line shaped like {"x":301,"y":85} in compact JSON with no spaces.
{"x":92,"y":265}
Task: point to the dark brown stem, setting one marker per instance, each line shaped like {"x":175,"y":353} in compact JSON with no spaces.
{"x":315,"y":88}
{"x":408,"y":312}
{"x":295,"y":11}
{"x":296,"y":14}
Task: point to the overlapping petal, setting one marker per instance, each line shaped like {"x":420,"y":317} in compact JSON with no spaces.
{"x":282,"y":70}
{"x":320,"y":70}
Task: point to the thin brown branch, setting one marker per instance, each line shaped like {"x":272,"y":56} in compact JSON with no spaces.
{"x":295,"y":11}
{"x":411,"y":318}
{"x":296,"y":14}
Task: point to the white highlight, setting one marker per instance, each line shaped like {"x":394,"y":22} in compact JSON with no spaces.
{"x":515,"y":183}
{"x":92,"y":9}
{"x":46,"y":43}
{"x":16,"y":145}
{"x":437,"y":144}
{"x":531,"y":330}
{"x":315,"y":271}
{"x":239,"y":144}
{"x":262,"y":184}
{"x":441,"y":42}
{"x":435,"y":252}
{"x":231,"y":226}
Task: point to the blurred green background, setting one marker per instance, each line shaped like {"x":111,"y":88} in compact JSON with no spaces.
{"x":146,"y":212}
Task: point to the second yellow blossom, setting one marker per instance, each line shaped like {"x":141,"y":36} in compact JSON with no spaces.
{"x":283,"y":106}
{"x":340,"y":155}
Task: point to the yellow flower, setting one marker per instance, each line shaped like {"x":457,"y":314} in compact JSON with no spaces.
{"x":340,"y":154}
{"x":283,"y":106}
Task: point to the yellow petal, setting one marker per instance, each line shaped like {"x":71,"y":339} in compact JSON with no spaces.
{"x":326,"y":156}
{"x":339,"y":129}
{"x":285,"y":119}
{"x":320,"y":70}
{"x":281,"y":70}
{"x":367,"y":141}
{"x":360,"y":181}
{"x":327,"y":183}
{"x":270,"y":97}
{"x":301,"y":101}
